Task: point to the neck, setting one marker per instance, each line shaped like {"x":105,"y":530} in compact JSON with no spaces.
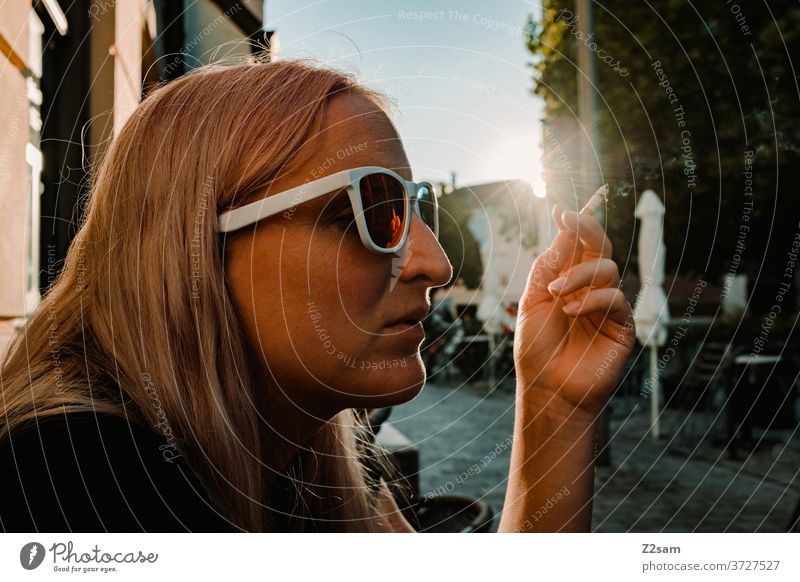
{"x":289,"y":426}
{"x":288,"y":430}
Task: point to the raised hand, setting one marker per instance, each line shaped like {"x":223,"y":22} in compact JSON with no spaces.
{"x":575,"y":328}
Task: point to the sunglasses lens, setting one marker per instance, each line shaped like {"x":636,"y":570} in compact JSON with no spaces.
{"x":426,"y":201}
{"x":384,"y":201}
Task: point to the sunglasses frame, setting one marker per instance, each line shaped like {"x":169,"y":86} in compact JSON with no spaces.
{"x":237,"y":218}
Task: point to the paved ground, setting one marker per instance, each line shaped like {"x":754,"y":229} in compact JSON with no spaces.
{"x":454,"y":429}
{"x":676,"y":484}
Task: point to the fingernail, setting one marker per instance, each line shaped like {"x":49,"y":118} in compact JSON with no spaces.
{"x":571,"y":307}
{"x":557,"y":285}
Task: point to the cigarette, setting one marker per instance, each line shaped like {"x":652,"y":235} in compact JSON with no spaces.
{"x":598,"y":198}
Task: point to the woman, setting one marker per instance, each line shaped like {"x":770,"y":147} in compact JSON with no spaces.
{"x":252,"y":270}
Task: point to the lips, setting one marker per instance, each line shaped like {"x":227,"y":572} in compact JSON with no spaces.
{"x":409,"y":325}
{"x":403,"y":325}
{"x":410,"y":318}
{"x":405,"y":322}
{"x":409,"y":329}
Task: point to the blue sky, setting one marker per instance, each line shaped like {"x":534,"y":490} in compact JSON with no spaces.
{"x":456,"y":70}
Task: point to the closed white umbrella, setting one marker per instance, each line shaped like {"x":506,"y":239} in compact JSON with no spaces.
{"x":734,"y":295}
{"x":651,"y":313}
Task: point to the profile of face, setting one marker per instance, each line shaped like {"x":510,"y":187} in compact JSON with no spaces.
{"x":318,"y":308}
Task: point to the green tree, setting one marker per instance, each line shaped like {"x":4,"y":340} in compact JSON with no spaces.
{"x":457,"y":240}
{"x":685,"y":90}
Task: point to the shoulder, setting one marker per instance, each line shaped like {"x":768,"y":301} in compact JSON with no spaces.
{"x":97,"y":472}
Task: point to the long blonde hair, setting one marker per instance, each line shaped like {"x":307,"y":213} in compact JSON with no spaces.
{"x":139,"y":322}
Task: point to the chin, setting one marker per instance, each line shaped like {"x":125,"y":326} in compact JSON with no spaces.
{"x":398,"y":385}
{"x":405,"y":394}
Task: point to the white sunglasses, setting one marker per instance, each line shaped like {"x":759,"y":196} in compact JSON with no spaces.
{"x":380,"y":199}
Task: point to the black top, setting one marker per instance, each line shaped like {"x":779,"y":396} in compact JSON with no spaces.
{"x":83,"y":472}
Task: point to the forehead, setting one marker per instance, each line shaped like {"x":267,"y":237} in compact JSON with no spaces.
{"x":355,"y":132}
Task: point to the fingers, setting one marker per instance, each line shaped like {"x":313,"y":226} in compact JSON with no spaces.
{"x":552,"y":261}
{"x":578,"y":236}
{"x":597,"y":273}
{"x":556,"y":214}
{"x":589,"y":231}
{"x":609,"y":301}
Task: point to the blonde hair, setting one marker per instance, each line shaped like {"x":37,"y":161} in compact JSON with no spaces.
{"x":139,"y":323}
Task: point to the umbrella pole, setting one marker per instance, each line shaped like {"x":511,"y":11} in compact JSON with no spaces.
{"x":654,"y":390}
{"x":491,"y":361}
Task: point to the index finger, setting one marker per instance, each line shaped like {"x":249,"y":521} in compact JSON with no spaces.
{"x":547,"y":268}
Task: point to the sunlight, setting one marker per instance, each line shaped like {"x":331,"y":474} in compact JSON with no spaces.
{"x":517,"y":156}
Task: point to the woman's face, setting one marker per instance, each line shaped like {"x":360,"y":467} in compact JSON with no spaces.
{"x":316,"y":305}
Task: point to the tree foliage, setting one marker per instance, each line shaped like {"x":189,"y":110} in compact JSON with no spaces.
{"x":458,"y":242}
{"x":685,"y":91}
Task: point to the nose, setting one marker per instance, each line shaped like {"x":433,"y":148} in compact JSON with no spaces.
{"x":426,"y":260}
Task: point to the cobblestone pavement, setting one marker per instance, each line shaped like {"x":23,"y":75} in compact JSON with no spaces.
{"x":671,"y":485}
{"x":455,"y":428}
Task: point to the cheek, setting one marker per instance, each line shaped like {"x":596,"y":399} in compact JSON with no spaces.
{"x":351,"y":282}
{"x":269,"y":293}
{"x":255,"y":298}
{"x":315,"y":319}
{"x":360,"y":293}
{"x":346,"y":294}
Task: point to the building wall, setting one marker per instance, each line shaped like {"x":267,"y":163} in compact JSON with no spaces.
{"x":116,"y":56}
{"x":211,"y":36}
{"x":101,"y":66}
{"x":130,"y":22}
{"x":14,"y":172}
